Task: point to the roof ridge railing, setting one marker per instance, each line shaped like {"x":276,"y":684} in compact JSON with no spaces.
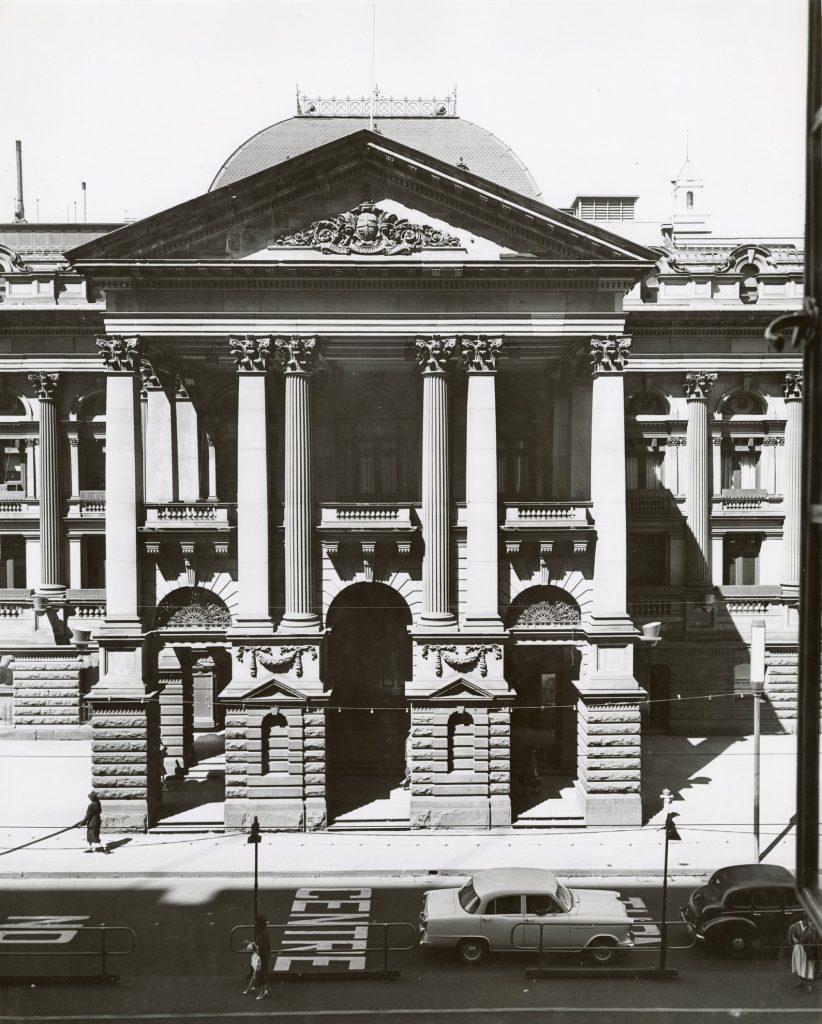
{"x":376,"y":106}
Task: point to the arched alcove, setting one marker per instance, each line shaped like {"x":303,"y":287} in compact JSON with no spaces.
{"x":541,"y":608}
{"x":191,"y":608}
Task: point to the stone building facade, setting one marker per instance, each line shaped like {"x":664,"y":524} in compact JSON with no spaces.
{"x":431,"y":498}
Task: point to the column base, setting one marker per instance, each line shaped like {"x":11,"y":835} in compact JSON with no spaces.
{"x":437,"y":622}
{"x":300,"y":624}
{"x":484,"y":624}
{"x":611,"y":625}
{"x":242,"y":628}
{"x":790,"y":593}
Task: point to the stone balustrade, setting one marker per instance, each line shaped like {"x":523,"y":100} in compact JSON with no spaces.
{"x":367,"y":523}
{"x":19,"y":508}
{"x":187,"y":515}
{"x":547,"y":522}
{"x":736,"y":501}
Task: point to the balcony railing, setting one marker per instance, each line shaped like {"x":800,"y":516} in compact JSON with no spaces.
{"x":14,"y":507}
{"x":749,"y":500}
{"x":367,"y":523}
{"x":548,"y":522}
{"x":187,"y":516}
{"x":87,"y":505}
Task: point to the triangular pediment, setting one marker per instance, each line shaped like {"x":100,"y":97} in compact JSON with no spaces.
{"x":272,"y":217}
{"x":268,"y":690}
{"x":460,"y":688}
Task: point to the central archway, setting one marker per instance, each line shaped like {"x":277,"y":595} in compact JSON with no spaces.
{"x":369,"y":662}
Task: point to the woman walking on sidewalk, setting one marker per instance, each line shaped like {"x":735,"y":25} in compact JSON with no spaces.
{"x":260,"y":948}
{"x":92,"y":820}
{"x":803,"y":956}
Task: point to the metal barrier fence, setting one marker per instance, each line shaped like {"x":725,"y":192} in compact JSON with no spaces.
{"x":301,"y":950}
{"x":610,"y":950}
{"x":36,"y":935}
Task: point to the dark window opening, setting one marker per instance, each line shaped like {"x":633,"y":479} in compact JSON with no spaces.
{"x":740,"y":561}
{"x":12,"y":562}
{"x":648,"y":560}
{"x":94,"y":562}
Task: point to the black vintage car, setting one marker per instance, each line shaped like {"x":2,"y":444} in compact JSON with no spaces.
{"x":743,"y":908}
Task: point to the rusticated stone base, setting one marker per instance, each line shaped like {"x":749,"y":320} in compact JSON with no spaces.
{"x":125,"y":763}
{"x":46,"y":689}
{"x":609,"y":759}
{"x":782,"y":687}
{"x":177,"y":720}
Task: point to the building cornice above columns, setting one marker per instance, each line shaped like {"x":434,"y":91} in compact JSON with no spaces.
{"x":434,"y":353}
{"x":251,"y":352}
{"x":697,"y":386}
{"x":296,"y":354}
{"x":120,"y":354}
{"x":480,"y":353}
{"x":609,"y":354}
{"x":45,"y":385}
{"x":792,"y":387}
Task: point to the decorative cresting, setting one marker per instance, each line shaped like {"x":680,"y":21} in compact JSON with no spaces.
{"x":191,"y":608}
{"x":276,"y":659}
{"x":480,"y":353}
{"x":462,"y":659}
{"x":609,"y":354}
{"x":45,"y":385}
{"x":251,"y":352}
{"x":543,"y":608}
{"x":295,"y":354}
{"x":120,"y":354}
{"x":366,"y":231}
{"x":792,"y":387}
{"x":698,"y":385}
{"x":434,"y":353}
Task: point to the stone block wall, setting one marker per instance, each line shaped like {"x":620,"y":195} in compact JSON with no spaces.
{"x":782,"y":686}
{"x":125,"y":763}
{"x":177,"y":721}
{"x":609,"y":760}
{"x":46,"y":689}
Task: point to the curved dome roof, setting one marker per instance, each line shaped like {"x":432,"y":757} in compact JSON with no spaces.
{"x":450,"y":139}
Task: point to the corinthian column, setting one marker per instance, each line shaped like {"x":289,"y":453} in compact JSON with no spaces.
{"x":51,"y":540}
{"x":482,"y":610}
{"x":296,"y":356}
{"x":252,"y":356}
{"x":433,"y":355}
{"x":123,"y":480}
{"x":697,"y":389}
{"x":609,"y":356}
{"x":792,"y":484}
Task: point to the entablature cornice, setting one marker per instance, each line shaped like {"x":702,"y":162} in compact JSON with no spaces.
{"x":730,"y":363}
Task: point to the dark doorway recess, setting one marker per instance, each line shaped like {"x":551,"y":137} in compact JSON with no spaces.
{"x":369,"y":662}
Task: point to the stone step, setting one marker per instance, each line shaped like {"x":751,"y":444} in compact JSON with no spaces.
{"x":185,"y":827}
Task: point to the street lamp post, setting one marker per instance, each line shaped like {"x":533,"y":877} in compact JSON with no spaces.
{"x":254,"y":840}
{"x":670,"y":834}
{"x":757,"y":689}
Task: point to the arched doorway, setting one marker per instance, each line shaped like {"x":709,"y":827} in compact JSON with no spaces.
{"x":369,"y":662}
{"x":541,"y":664}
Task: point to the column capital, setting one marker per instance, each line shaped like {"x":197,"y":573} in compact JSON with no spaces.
{"x":181,"y":391}
{"x":434,"y":353}
{"x":251,"y":352}
{"x":609,"y":353}
{"x":45,"y":385}
{"x":149,"y":378}
{"x":296,"y":354}
{"x":74,"y":441}
{"x":120,"y":354}
{"x":697,"y":386}
{"x":792,"y":387}
{"x":480,"y":352}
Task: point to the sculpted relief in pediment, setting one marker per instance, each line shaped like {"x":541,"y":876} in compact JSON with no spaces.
{"x":367,"y":230}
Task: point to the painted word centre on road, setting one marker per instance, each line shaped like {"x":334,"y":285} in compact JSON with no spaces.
{"x":326,"y":928}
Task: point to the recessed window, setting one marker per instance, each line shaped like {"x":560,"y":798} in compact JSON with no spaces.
{"x":94,"y":562}
{"x":740,"y":562}
{"x":689,"y":200}
{"x":12,"y":561}
{"x":647,"y":559}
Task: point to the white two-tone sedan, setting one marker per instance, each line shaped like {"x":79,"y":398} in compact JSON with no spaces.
{"x":523,"y":908}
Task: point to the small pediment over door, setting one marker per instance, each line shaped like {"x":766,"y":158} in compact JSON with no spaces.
{"x":268,"y":691}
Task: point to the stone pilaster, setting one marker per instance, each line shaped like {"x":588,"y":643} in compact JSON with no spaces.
{"x":434,"y":354}
{"x":792,"y":485}
{"x":51,"y":534}
{"x":212,"y":467}
{"x":187,"y":443}
{"x":608,"y":485}
{"x":159,"y":450}
{"x":697,"y":389}
{"x":609,"y":757}
{"x":296,"y":356}
{"x":74,"y":465}
{"x":481,"y":499}
{"x":253,"y":357}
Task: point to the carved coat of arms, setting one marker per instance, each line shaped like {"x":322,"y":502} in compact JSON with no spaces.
{"x":367,"y":230}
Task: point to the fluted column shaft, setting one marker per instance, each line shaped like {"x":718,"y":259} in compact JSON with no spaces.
{"x":482,"y":542}
{"x":434,"y":354}
{"x":698,"y":493}
{"x":51,"y":540}
{"x":792,"y":482}
{"x":608,"y":481}
{"x":296,"y":355}
{"x":252,"y":355}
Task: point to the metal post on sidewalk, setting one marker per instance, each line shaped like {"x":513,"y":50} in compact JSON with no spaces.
{"x":670,"y":834}
{"x":757,"y":689}
{"x":254,"y":840}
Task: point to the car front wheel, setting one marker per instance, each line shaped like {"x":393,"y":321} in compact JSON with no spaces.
{"x":472,"y":951}
{"x":738,"y":943}
{"x":602,"y":951}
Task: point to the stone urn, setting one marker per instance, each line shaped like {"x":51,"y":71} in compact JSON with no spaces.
{"x":650,"y":631}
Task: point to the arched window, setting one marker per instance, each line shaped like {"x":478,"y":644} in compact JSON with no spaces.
{"x":689,"y":200}
{"x":460,"y":742}
{"x":274,"y":745}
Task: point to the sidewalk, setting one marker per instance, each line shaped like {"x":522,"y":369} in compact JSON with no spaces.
{"x":47,"y":784}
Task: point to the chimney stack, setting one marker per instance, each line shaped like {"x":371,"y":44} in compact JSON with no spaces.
{"x":19,"y":212}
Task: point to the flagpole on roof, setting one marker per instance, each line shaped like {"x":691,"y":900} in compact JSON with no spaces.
{"x":371,"y":90}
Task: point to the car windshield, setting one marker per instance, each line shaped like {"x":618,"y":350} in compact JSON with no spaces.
{"x":469,"y":901}
{"x":566,"y":900}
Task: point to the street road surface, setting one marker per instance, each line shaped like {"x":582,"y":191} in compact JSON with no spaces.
{"x":183,"y":969}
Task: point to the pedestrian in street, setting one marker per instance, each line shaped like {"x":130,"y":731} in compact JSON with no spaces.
{"x":804,"y":941}
{"x":92,"y":820}
{"x":260,"y":949}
